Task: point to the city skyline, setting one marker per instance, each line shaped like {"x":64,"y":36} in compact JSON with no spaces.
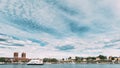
{"x":60,"y":28}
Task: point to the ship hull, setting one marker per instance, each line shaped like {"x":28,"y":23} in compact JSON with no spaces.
{"x":35,"y":64}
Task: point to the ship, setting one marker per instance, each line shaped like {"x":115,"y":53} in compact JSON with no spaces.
{"x":35,"y":62}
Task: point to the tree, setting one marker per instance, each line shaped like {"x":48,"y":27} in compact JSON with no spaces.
{"x":54,"y":60}
{"x":69,"y":58}
{"x":113,"y":58}
{"x":2,"y":59}
{"x":46,"y":60}
{"x":63,"y":59}
{"x":91,"y":58}
{"x":102,"y":57}
{"x":50,"y":60}
{"x":77,"y":58}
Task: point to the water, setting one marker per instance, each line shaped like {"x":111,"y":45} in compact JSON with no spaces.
{"x":63,"y":66}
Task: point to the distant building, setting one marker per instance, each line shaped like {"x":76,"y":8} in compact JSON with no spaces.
{"x":97,"y":58}
{"x":15,"y":57}
{"x":84,"y":59}
{"x":115,"y":58}
{"x":118,"y":58}
{"x":15,"y":54}
{"x":20,"y":59}
{"x":110,"y":57}
{"x":23,"y":55}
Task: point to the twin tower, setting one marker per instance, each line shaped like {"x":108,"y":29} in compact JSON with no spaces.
{"x":23,"y":55}
{"x":17,"y":58}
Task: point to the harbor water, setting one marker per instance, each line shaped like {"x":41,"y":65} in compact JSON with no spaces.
{"x":63,"y":66}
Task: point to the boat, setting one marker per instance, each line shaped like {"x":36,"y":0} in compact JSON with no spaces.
{"x":2,"y":63}
{"x":35,"y":62}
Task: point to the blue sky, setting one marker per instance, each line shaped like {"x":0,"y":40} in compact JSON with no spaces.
{"x":54,"y":28}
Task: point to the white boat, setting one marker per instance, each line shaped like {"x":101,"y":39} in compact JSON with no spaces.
{"x":35,"y":62}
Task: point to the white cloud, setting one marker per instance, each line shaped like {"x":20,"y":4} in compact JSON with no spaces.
{"x":103,"y":29}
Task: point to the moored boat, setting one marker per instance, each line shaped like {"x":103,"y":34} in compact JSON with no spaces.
{"x":35,"y":62}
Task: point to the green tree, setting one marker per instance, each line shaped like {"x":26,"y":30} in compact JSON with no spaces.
{"x":92,"y":58}
{"x":113,"y":58}
{"x":63,"y":59}
{"x":50,"y":60}
{"x":2,"y":59}
{"x":77,"y":58}
{"x":54,"y":60}
{"x":102,"y":57}
{"x":69,"y":58}
{"x":46,"y":60}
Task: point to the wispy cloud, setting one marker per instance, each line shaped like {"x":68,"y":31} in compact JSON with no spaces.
{"x":78,"y":27}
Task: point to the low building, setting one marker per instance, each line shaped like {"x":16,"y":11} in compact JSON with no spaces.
{"x":118,"y":58}
{"x":110,"y":57}
{"x":20,"y":59}
{"x":98,"y":59}
{"x":84,"y":59}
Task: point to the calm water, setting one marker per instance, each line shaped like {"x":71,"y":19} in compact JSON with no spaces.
{"x":63,"y":66}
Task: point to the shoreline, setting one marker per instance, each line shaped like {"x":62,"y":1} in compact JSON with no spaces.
{"x":58,"y":63}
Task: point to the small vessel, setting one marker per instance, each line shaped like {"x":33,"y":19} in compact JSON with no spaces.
{"x":2,"y":63}
{"x":35,"y":62}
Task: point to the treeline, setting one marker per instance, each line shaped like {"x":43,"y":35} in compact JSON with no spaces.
{"x":6,"y":60}
{"x":50,"y":60}
{"x":100,"y":58}
{"x":76,"y":59}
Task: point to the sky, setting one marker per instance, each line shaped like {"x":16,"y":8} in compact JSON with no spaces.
{"x":60,"y":28}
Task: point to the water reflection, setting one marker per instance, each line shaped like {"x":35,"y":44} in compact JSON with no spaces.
{"x":63,"y":66}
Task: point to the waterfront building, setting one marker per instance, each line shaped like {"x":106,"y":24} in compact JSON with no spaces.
{"x":97,"y":59}
{"x":118,"y":58}
{"x":20,"y":59}
{"x":15,"y":54}
{"x":110,"y":57}
{"x":15,"y":57}
{"x":84,"y":59}
{"x":23,"y":55}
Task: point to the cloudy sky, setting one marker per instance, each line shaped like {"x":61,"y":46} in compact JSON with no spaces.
{"x":60,"y":28}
